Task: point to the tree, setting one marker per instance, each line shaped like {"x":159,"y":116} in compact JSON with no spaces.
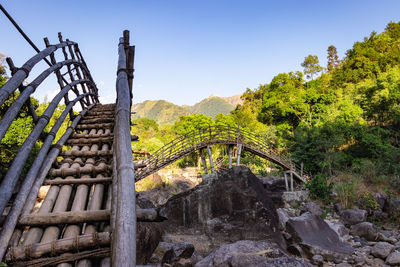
{"x":311,"y":66}
{"x":3,"y":77}
{"x":333,"y":59}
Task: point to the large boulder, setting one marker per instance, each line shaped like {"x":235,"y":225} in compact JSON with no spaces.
{"x":148,"y":235}
{"x":250,"y":253}
{"x":315,"y":236}
{"x":353,"y":216}
{"x":338,"y":227}
{"x":381,"y":250}
{"x":381,"y":200}
{"x":178,"y":251}
{"x":283,"y":218}
{"x":232,"y":207}
{"x":313,"y":208}
{"x":393,"y":259}
{"x":366,"y":230}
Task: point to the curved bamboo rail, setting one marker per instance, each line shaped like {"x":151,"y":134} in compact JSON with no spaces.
{"x":219,"y":134}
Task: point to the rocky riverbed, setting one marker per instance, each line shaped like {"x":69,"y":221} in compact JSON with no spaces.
{"x":237,"y":219}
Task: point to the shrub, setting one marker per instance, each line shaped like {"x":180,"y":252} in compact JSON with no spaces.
{"x":346,"y":192}
{"x":320,"y":188}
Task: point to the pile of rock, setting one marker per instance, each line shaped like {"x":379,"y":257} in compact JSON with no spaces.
{"x":232,"y":220}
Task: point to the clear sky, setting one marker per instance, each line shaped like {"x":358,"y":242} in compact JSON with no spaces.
{"x":187,"y":50}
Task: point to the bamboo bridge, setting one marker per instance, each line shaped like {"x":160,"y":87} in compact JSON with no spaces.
{"x":76,"y":205}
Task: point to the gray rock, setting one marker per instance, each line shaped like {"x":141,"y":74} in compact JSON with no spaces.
{"x":381,"y":250}
{"x":250,"y":253}
{"x":353,"y":216}
{"x":317,"y":260}
{"x":237,"y":199}
{"x":393,"y":259}
{"x":380,"y":214}
{"x":178,"y":251}
{"x":315,"y":236}
{"x":338,"y":227}
{"x":338,"y":207}
{"x":344,"y":264}
{"x":295,"y":197}
{"x":366,"y":230}
{"x":313,"y":208}
{"x":283,"y":218}
{"x":381,"y":200}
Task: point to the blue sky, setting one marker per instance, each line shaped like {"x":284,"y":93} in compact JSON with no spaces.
{"x":188,"y":50}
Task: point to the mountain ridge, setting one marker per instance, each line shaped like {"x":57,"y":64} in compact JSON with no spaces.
{"x":165,"y":112}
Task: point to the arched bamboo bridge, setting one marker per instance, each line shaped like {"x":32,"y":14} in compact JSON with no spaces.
{"x":213,"y":135}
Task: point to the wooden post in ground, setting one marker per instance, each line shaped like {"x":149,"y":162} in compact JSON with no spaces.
{"x":230,"y":155}
{"x":291,"y":181}
{"x":210,"y":158}
{"x":203,"y":159}
{"x":286,"y":181}
{"x":238,"y":154}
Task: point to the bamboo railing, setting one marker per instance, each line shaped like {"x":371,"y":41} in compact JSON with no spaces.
{"x":123,"y":221}
{"x":219,"y":134}
{"x":76,"y":80}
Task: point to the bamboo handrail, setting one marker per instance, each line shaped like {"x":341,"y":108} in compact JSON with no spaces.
{"x":124,"y":220}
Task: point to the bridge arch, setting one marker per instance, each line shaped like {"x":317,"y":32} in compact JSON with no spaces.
{"x":213,"y":135}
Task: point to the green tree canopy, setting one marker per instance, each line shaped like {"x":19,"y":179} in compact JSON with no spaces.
{"x":311,"y":66}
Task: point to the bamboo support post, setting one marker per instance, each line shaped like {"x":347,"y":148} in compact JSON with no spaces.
{"x":124,"y":232}
{"x":286,"y":181}
{"x":230,"y":149}
{"x":239,"y":152}
{"x":210,"y":159}
{"x":291,"y":181}
{"x":203,"y":159}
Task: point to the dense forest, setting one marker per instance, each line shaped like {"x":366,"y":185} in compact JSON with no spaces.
{"x":341,"y":121}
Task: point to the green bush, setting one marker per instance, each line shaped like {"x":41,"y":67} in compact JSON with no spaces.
{"x":346,"y":192}
{"x":320,"y":188}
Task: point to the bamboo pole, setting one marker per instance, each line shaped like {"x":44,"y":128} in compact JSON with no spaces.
{"x":78,"y":181}
{"x":23,"y":72}
{"x":14,"y":109}
{"x":203,"y":159}
{"x":124,"y":235}
{"x":230,"y":155}
{"x":59,"y":246}
{"x":210,"y":159}
{"x":238,"y":154}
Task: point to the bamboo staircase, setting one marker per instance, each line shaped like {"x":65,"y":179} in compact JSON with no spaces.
{"x":76,"y":205}
{"x":71,"y":225}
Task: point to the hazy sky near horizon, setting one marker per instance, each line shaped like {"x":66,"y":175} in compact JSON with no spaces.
{"x":188,"y":50}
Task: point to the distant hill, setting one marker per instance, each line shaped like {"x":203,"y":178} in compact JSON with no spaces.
{"x":211,"y":106}
{"x":164,"y":112}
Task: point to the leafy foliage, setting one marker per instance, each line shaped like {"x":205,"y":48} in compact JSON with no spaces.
{"x":320,"y":188}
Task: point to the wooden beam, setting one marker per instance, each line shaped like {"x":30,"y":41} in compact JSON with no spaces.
{"x":60,"y":246}
{"x":77,"y":181}
{"x":69,"y":217}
